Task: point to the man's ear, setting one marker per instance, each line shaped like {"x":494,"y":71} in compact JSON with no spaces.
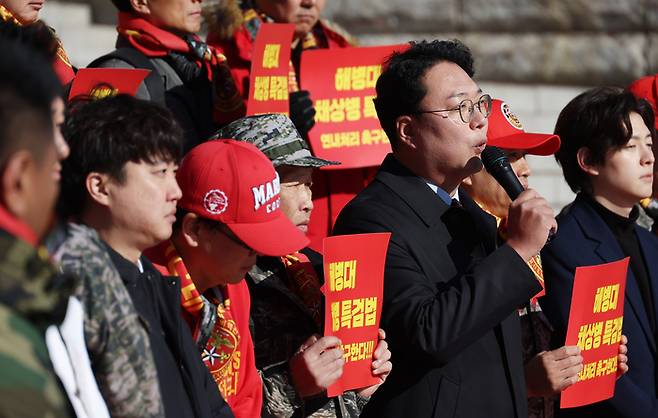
{"x":97,"y":187}
{"x":191,"y":229}
{"x":405,"y":129}
{"x":17,"y":183}
{"x":583,"y":156}
{"x":141,"y":6}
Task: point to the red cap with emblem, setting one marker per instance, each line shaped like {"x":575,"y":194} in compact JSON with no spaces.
{"x":647,"y":88}
{"x":234,"y":183}
{"x":506,"y":131}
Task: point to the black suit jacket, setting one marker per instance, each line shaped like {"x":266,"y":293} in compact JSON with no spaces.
{"x":584,"y":239}
{"x":450,"y":300}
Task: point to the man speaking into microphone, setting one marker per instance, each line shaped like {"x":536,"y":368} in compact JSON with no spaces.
{"x":450,"y":292}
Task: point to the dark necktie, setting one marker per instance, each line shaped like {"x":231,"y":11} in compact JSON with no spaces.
{"x":465,"y":246}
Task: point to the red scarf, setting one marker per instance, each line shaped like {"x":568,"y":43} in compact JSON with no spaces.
{"x":156,"y":42}
{"x":229,"y":352}
{"x":153,"y":41}
{"x":16,"y":227}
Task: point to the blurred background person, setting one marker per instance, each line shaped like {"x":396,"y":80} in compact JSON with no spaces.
{"x":187,"y":76}
{"x":233,"y":26}
{"x":32,"y":297}
{"x":606,"y":156}
{"x":26,"y":12}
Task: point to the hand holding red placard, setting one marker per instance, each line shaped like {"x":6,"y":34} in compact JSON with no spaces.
{"x":595,"y":324}
{"x":353,"y":289}
{"x":270,"y":68}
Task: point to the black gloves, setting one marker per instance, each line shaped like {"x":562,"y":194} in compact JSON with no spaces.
{"x":186,"y":69}
{"x":302,"y":112}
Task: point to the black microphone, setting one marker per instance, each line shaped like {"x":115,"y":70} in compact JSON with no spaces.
{"x":497,"y":164}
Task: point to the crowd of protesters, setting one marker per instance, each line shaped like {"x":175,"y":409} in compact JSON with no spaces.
{"x":159,"y":253}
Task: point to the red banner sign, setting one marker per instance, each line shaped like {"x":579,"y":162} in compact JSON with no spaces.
{"x":342,"y":85}
{"x":353,"y":289}
{"x":595,"y":323}
{"x":270,"y":69}
{"x":98,"y":83}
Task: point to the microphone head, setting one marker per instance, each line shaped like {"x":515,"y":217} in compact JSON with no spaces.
{"x":493,"y":157}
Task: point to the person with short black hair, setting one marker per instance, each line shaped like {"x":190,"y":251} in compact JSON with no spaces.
{"x":402,"y":86}
{"x":607,"y":159}
{"x":450,"y":292}
{"x":120,"y":191}
{"x":33,"y":298}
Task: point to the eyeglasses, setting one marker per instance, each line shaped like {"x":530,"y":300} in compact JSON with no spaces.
{"x":466,"y":108}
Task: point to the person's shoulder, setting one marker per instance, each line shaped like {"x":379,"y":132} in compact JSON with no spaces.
{"x":81,"y":249}
{"x":83,"y":254}
{"x":18,"y":335}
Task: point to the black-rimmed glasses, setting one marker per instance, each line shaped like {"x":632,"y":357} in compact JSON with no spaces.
{"x":466,"y":108}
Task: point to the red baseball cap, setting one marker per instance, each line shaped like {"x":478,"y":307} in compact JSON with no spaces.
{"x":506,"y":132}
{"x":646,"y":88}
{"x":234,"y":183}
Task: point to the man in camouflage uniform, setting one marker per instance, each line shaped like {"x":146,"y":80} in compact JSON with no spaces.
{"x":31,"y":298}
{"x":286,"y":303}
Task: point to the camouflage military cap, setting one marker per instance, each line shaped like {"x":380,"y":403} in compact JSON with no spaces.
{"x":276,"y":136}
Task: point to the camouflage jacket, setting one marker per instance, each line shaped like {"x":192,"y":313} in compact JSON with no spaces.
{"x":30,"y":301}
{"x":281,"y":323}
{"x":117,"y":342}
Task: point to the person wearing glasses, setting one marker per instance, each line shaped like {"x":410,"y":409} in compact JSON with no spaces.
{"x":229,"y":214}
{"x":450,"y":292}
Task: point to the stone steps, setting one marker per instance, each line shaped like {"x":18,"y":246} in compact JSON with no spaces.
{"x":83,"y":40}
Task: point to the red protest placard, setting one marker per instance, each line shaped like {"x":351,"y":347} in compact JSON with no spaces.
{"x":103,"y":82}
{"x":270,"y":68}
{"x":595,"y":323}
{"x":353,"y":289}
{"x":342,"y":85}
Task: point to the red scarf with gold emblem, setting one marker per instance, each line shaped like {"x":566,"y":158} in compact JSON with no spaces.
{"x":229,"y":352}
